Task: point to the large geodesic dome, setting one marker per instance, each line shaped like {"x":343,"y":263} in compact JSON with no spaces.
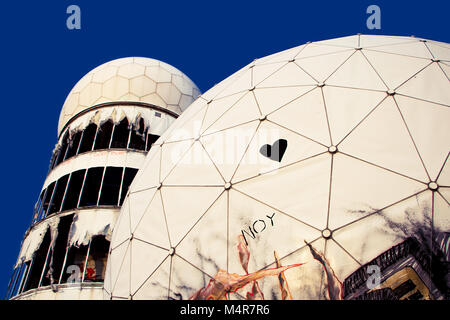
{"x":294,"y":176}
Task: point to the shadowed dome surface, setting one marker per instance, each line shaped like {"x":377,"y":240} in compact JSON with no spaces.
{"x":342,"y":143}
{"x":134,"y":79}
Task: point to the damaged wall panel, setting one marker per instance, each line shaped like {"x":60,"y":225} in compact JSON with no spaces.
{"x":57,"y":251}
{"x":156,"y":121}
{"x":96,"y":130}
{"x":88,"y":223}
{"x":70,"y":248}
{"x":32,"y":242}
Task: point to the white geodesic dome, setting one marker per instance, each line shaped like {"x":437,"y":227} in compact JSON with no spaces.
{"x":360,"y":124}
{"x":136,"y":79}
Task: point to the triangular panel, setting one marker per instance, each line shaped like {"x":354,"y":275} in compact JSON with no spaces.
{"x":369,"y":237}
{"x":309,"y":278}
{"x":439,"y":52}
{"x":349,"y":41}
{"x":227,"y":147}
{"x":395,"y":69}
{"x":428,"y":124}
{"x":356,"y":72}
{"x":184,"y":206}
{"x":368,"y":40}
{"x":122,"y":231}
{"x":218,"y":107}
{"x":188,"y":127}
{"x":306,"y":116}
{"x":321,"y":67}
{"x":347,"y":107}
{"x":289,"y":75}
{"x":156,"y":287}
{"x":383,"y":139}
{"x":313,"y":50}
{"x":270,"y":135}
{"x":283,"y":56}
{"x":342,"y":263}
{"x":300,"y":190}
{"x":152,"y":228}
{"x":261,"y":72}
{"x":265,"y":230}
{"x":121,"y":286}
{"x":195,"y":168}
{"x":270,"y":99}
{"x":430,"y":84}
{"x":148,"y":175}
{"x":221,"y":86}
{"x":359,"y":189}
{"x":171,"y":154}
{"x":145,"y":259}
{"x":138,"y":202}
{"x":244,"y":82}
{"x":413,"y":49}
{"x":245,"y":110}
{"x":188,"y":122}
{"x":185,"y":279}
{"x":205,"y":246}
{"x":115,"y":262}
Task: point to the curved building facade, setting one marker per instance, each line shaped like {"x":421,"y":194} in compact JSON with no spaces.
{"x":107,"y":125}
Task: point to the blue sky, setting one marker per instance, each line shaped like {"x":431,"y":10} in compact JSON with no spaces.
{"x":207,"y":40}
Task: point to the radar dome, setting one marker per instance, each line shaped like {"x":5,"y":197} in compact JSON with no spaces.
{"x":135,"y":79}
{"x":294,"y":175}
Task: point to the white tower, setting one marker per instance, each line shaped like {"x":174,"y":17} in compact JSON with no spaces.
{"x":107,"y":125}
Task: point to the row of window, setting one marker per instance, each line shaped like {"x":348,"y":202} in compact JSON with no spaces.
{"x":61,"y":264}
{"x":97,"y":186}
{"x":106,"y":136}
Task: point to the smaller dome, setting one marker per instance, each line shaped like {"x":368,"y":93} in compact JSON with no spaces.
{"x":133,"y":79}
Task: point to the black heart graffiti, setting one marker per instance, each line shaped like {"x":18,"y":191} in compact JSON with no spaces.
{"x":275,"y":151}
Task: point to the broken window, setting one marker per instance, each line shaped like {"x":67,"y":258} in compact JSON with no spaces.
{"x":56,"y":259}
{"x":91,"y":187}
{"x":120,"y":135}
{"x":58,"y":195}
{"x":88,"y":138}
{"x":107,"y":135}
{"x":111,"y":186}
{"x":37,"y":264}
{"x":47,"y":198}
{"x":82,"y":188}
{"x":62,"y":149}
{"x":53,"y":159}
{"x":104,"y":135}
{"x":96,"y":262}
{"x":151,"y":138}
{"x":73,"y":190}
{"x":12,"y":282}
{"x":73,"y":145}
{"x":74,"y":266}
{"x":16,"y":283}
{"x":22,"y":278}
{"x":38,"y":208}
{"x":128,"y":177}
{"x":137,"y":136}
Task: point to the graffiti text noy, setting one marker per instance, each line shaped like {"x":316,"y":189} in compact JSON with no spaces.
{"x":260,"y":225}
